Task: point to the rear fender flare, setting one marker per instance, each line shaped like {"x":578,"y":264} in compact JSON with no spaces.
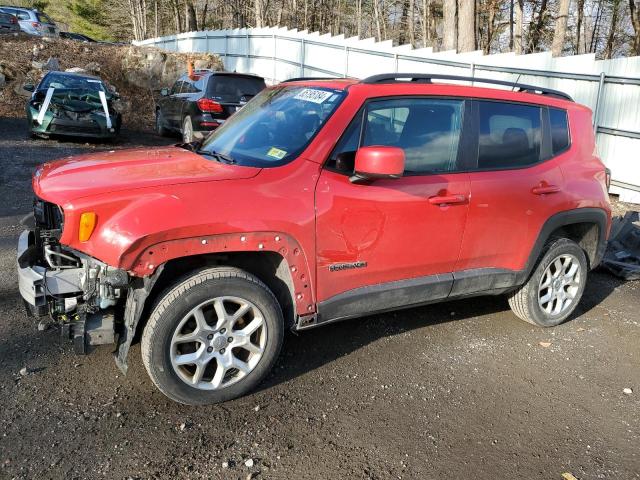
{"x":563,"y":219}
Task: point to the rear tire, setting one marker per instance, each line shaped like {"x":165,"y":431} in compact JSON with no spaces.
{"x":160,"y":128}
{"x":187,"y":130}
{"x":197,"y":352}
{"x":555,"y":287}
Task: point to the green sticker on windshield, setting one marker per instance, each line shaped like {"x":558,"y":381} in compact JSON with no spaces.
{"x":276,"y":153}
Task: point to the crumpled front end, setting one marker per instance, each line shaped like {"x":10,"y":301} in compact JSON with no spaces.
{"x":75,"y":290}
{"x":72,"y":113}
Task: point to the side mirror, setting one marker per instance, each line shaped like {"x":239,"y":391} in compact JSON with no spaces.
{"x":378,"y":162}
{"x":164,"y":92}
{"x":29,"y":87}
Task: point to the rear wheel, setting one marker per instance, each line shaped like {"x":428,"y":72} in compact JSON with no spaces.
{"x":213,"y":337}
{"x":187,"y":130}
{"x":160,"y":128}
{"x":555,"y":288}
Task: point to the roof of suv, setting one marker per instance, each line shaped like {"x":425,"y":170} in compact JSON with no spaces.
{"x":518,"y":91}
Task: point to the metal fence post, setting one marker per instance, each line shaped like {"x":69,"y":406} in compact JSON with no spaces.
{"x":248,"y":55}
{"x":596,"y":110}
{"x":346,"y":61}
{"x":472,"y":71}
{"x":302,"y":57}
{"x":226,"y":50}
{"x":395,"y":62}
{"x":275,"y":57}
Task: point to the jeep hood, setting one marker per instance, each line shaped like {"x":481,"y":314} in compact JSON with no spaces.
{"x":85,"y":175}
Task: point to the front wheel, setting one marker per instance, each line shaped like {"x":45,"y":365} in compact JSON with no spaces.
{"x":160,"y":128}
{"x":213,"y":337}
{"x":555,"y":287}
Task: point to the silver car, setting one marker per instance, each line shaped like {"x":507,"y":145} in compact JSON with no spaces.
{"x":33,"y":22}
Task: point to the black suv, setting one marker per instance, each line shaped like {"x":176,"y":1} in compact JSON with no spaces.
{"x":201,"y":102}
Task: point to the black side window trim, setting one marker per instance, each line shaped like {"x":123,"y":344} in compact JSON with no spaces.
{"x":465,"y":156}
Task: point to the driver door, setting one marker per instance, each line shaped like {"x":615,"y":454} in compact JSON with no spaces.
{"x":392,"y":242}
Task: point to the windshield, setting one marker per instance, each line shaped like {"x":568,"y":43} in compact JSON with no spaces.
{"x":72,"y":82}
{"x":274,"y":127}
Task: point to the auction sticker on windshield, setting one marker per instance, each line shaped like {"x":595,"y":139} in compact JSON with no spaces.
{"x":313,"y":95}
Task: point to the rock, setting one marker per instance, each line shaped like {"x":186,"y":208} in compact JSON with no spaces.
{"x":256,"y":408}
{"x":225,"y":464}
{"x":627,"y":391}
{"x":545,"y":344}
{"x":76,"y":70}
{"x":43,"y":325}
{"x":93,"y":67}
{"x":183,"y":427}
{"x":52,"y":64}
{"x":24,"y":371}
{"x":249,"y":463}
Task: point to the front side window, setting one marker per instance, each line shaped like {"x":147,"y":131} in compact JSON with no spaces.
{"x":428,"y":130}
{"x":274,"y":127}
{"x":176,"y":87}
{"x":509,"y":135}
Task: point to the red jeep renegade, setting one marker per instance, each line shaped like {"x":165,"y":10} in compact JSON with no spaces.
{"x":320,"y":200}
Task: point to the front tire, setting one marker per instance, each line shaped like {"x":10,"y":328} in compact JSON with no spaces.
{"x":555,"y":287}
{"x":213,"y":337}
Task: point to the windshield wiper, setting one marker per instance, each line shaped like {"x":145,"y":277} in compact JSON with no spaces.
{"x":221,"y":157}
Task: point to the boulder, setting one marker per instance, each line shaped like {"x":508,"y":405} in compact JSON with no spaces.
{"x":152,"y":68}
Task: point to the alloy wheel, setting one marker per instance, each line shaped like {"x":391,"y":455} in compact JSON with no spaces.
{"x":559,"y":285}
{"x":218,"y":343}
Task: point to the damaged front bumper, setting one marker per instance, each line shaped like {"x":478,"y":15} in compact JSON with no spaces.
{"x":81,"y":298}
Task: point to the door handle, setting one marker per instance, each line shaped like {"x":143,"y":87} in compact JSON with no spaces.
{"x":545,"y":189}
{"x":447,"y":199}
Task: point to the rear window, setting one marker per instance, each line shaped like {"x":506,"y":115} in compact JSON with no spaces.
{"x":510,"y":135}
{"x":42,"y":18}
{"x":229,"y":88}
{"x":559,"y":130}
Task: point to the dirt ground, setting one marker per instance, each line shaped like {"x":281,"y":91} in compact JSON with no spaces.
{"x":457,"y":390}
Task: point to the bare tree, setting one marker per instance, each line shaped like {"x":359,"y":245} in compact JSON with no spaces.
{"x":537,"y":27}
{"x":613,"y":27}
{"x":449,"y":27}
{"x":560,"y":31}
{"x":580,"y":34}
{"x":257,"y":5}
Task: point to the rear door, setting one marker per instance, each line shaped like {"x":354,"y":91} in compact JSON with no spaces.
{"x":399,"y":239}
{"x":516,"y":186}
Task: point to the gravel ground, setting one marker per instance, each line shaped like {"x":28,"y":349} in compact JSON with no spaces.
{"x":456,"y":390}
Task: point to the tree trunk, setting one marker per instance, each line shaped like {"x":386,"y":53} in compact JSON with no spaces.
{"x":608,"y":51}
{"x":190,"y":16}
{"x":511,"y":25}
{"x":579,"y":48}
{"x":449,"y":30}
{"x":635,"y":21}
{"x":517,"y":38}
{"x":425,"y":23}
{"x":466,"y":25}
{"x":412,"y":32}
{"x":376,"y":14}
{"x":257,"y":6}
{"x":560,"y":31}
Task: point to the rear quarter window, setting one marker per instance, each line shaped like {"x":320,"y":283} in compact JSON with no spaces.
{"x":559,"y":130}
{"x":42,"y":18}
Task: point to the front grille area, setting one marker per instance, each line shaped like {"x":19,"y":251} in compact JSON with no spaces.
{"x":48,"y":216}
{"x":86,"y":128}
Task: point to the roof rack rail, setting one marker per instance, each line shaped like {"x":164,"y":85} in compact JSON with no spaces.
{"x":427,"y":78}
